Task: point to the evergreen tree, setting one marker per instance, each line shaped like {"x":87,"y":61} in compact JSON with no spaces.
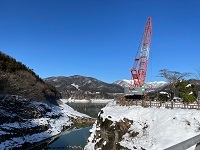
{"x":186,"y":91}
{"x":163,"y":97}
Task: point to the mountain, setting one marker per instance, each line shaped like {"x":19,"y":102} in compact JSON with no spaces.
{"x":153,"y":88}
{"x":150,"y":86}
{"x":81,"y":87}
{"x":17,"y":79}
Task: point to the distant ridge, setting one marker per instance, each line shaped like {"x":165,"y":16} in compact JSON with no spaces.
{"x":152,"y":85}
{"x":82,"y":87}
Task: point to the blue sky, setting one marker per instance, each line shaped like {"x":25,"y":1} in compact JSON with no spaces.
{"x":99,"y":38}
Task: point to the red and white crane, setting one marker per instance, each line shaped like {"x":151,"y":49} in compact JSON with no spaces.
{"x":139,"y":69}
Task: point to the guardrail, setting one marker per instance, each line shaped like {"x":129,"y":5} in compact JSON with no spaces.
{"x":187,"y":144}
{"x":172,"y":105}
{"x":149,"y":103}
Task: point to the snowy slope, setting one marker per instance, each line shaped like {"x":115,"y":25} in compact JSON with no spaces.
{"x":55,"y":126}
{"x":149,"y":86}
{"x":158,"y":128}
{"x":155,"y":84}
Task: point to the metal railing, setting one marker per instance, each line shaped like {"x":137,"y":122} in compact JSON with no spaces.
{"x":149,"y":103}
{"x":187,"y":144}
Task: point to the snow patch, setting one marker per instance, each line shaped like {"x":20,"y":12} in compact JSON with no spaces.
{"x":104,"y":101}
{"x":188,"y":85}
{"x":76,"y":86}
{"x":55,"y":80}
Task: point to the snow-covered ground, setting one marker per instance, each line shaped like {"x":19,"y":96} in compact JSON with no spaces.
{"x":158,"y":128}
{"x":56,"y":126}
{"x":89,"y":101}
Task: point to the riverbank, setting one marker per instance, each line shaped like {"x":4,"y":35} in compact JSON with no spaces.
{"x":82,"y":134}
{"x":103,"y":101}
{"x":81,"y":122}
{"x":48,"y":143}
{"x":55,"y":120}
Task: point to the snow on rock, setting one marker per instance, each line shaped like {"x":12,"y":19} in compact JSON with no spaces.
{"x":55,"y":126}
{"x":151,"y":128}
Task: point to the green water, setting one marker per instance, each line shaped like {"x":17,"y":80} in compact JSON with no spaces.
{"x":77,"y":137}
{"x":73,"y":138}
{"x":90,"y":109}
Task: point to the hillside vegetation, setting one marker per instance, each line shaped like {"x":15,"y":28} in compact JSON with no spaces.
{"x":17,"y":79}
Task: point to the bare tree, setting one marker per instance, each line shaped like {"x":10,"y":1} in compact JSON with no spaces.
{"x":173,"y":77}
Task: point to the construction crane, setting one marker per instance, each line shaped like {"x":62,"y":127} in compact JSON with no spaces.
{"x":136,"y":89}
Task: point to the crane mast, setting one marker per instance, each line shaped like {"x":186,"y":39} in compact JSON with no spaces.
{"x":139,"y":69}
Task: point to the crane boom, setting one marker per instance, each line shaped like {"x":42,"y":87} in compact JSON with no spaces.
{"x":139,"y":69}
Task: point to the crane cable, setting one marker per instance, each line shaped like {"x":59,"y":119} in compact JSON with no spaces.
{"x":138,"y":50}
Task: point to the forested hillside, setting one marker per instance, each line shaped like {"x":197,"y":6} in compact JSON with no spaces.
{"x":17,"y":79}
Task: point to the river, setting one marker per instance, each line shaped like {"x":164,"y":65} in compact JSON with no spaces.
{"x":77,"y":137}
